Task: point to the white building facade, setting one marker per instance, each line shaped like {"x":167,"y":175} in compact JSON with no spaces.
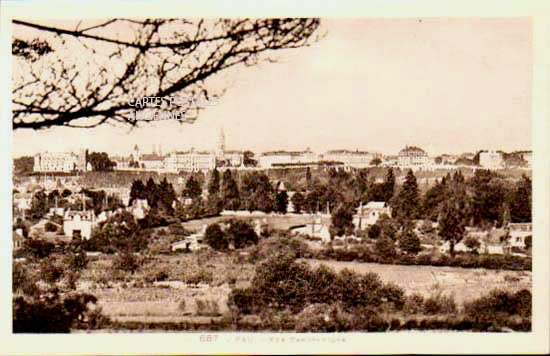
{"x":491,"y":160}
{"x":59,"y":162}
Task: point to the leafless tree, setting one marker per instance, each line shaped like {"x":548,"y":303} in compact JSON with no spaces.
{"x":83,"y":75}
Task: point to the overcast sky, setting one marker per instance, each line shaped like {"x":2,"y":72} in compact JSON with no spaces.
{"x":447,"y":85}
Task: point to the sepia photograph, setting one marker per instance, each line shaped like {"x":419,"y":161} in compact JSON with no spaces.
{"x":297,"y":178}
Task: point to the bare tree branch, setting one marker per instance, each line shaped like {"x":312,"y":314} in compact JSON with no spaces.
{"x":86,"y":77}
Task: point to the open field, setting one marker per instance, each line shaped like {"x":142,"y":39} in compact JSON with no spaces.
{"x":185,"y":304}
{"x":465,"y":284}
{"x":163,"y":304}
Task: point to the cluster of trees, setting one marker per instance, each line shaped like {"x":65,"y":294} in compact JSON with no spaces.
{"x":44,"y":292}
{"x":97,"y":200}
{"x":486,"y":199}
{"x":158,"y":195}
{"x":100,"y":161}
{"x":238,"y":234}
{"x":120,"y":232}
{"x":249,"y":191}
{"x":283,"y":283}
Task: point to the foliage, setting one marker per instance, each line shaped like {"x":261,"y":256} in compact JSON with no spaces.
{"x":241,"y":233}
{"x":37,"y":248}
{"x":281,"y":202}
{"x":76,"y":261}
{"x":489,"y":195}
{"x":298,"y":202}
{"x":406,"y":205}
{"x":342,"y":220}
{"x":521,"y":201}
{"x":409,"y":242}
{"x":257,"y":193}
{"x":452,"y":223}
{"x":385,"y":247}
{"x":50,"y":227}
{"x":283,"y":283}
{"x":472,"y":243}
{"x":102,"y":95}
{"x":23,"y":166}
{"x":201,"y":276}
{"x":214,"y":183}
{"x":499,"y":304}
{"x":192,"y":189}
{"x":433,"y":198}
{"x":215,"y":237}
{"x":52,"y":314}
{"x":126,"y":261}
{"x":230,"y":192}
{"x":100,"y":161}
{"x":248,"y":159}
{"x":440,"y":304}
{"x":207,"y":307}
{"x":118,"y":232}
{"x":39,"y":205}
{"x":374,"y":231}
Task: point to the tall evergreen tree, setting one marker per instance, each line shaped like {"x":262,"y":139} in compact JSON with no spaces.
{"x":39,"y":205}
{"x":521,"y":201}
{"x":230,"y":192}
{"x":137,"y":191}
{"x":167,"y":194}
{"x":342,"y":220}
{"x":257,"y":193}
{"x":298,"y":202}
{"x":452,"y":222}
{"x":282,"y":202}
{"x":214,"y":183}
{"x":389,"y":185}
{"x":433,"y":199}
{"x":192,"y":189}
{"x":406,"y":205}
{"x":152,"y":192}
{"x":489,"y":194}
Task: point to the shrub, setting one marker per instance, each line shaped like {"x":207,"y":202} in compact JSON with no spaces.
{"x":127,"y":262}
{"x":385,"y":248}
{"x":50,"y":227}
{"x":207,"y":307}
{"x":215,"y":237}
{"x":51,"y":314}
{"x":440,"y":304}
{"x":50,"y":272}
{"x":392,"y":293}
{"x":37,"y":248}
{"x":202,"y":276}
{"x":500,"y":303}
{"x":282,"y":283}
{"x":409,"y":242}
{"x":374,"y":231}
{"x":243,"y":300}
{"x":472,"y":243}
{"x":76,"y":261}
{"x":23,"y":280}
{"x":414,"y":304}
{"x":318,"y":318}
{"x":241,"y":233}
